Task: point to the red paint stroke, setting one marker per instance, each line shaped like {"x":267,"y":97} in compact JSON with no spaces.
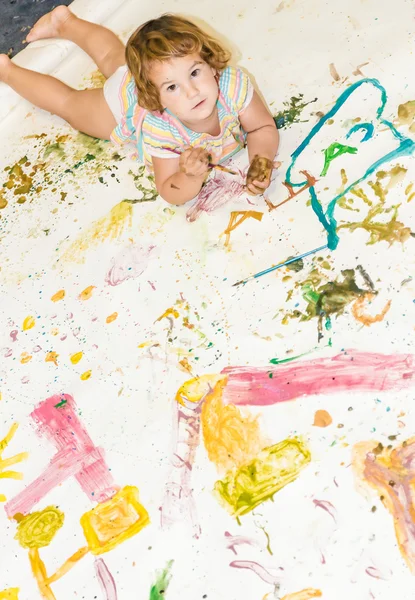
{"x":218,"y":191}
{"x":76,"y":456}
{"x":238,"y":540}
{"x":106,"y":580}
{"x":129,"y":263}
{"x":327,"y":506}
{"x":292,"y":194}
{"x":348,"y":371}
{"x":258,"y":570}
{"x":178,"y":502}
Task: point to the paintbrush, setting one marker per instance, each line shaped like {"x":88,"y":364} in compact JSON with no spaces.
{"x":211,"y":165}
{"x":283,"y":264}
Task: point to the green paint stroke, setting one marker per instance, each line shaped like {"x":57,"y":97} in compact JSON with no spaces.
{"x":278,"y":361}
{"x":292,"y":112}
{"x":275,"y":467}
{"x":334,"y":151}
{"x":159,"y":587}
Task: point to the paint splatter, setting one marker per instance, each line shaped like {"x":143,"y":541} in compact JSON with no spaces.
{"x":390,"y":471}
{"x":292,"y":112}
{"x":238,"y":540}
{"x":304,"y":595}
{"x":231,"y":439}
{"x":10,"y":594}
{"x":75,"y":358}
{"x":129,"y":263}
{"x":274,"y":468}
{"x":258,"y":569}
{"x":322,"y":418}
{"x":28,"y":323}
{"x":58,"y":296}
{"x":52,"y":357}
{"x":406,"y":115}
{"x":87,"y":293}
{"x":111,"y":317}
{"x":159,"y":587}
{"x":327,"y":506}
{"x":25,"y":358}
{"x":85,"y":376}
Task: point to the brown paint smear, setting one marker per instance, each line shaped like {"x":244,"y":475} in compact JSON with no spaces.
{"x":237,"y":218}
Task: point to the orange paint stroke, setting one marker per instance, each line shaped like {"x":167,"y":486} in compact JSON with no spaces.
{"x":75,"y":358}
{"x":231,"y":438}
{"x":292,"y":194}
{"x":28,"y":323}
{"x":87,"y":293}
{"x":85,"y":376}
{"x":304,"y":595}
{"x":112,"y":317}
{"x":39,"y":572}
{"x":58,"y":296}
{"x":68,"y":565}
{"x":52,"y":357}
{"x":25,"y":358}
{"x":391,"y":473}
{"x":359,"y":314}
{"x":322,"y":418}
{"x":237,"y":218}
{"x":114,"y":521}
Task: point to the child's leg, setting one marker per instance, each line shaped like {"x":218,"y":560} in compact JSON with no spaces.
{"x":102,"y":45}
{"x":85,"y":110}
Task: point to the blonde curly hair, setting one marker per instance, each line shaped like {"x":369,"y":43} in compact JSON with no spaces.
{"x":164,"y":38}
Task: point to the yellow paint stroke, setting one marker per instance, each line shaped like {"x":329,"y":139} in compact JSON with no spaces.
{"x":237,"y":218}
{"x":391,"y":473}
{"x":85,"y":376}
{"x":52,"y":357}
{"x":28,"y":323}
{"x":112,"y":317}
{"x":194,"y":390}
{"x":359,"y":306}
{"x":87,"y":293}
{"x":169,"y":312}
{"x":304,"y":595}
{"x":231,"y":438}
{"x":37,"y":529}
{"x":58,"y":296}
{"x":274,"y":468}
{"x":75,"y":358}
{"x":10,"y":594}
{"x":114,"y":521}
{"x":110,"y":227}
{"x":25,"y":358}
{"x":5,"y":463}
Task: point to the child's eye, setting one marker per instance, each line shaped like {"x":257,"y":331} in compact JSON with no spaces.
{"x":172,"y":87}
{"x":195,"y":73}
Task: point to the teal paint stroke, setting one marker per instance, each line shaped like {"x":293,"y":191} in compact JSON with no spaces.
{"x":405,"y":147}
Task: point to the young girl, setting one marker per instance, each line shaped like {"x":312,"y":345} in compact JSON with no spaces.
{"x":176,"y":99}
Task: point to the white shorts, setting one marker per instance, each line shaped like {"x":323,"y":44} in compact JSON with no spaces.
{"x":112,"y":92}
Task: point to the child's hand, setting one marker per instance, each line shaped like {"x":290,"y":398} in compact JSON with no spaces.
{"x":259,"y":174}
{"x":194,"y":162}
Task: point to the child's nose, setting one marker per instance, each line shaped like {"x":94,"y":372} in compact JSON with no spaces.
{"x":192,"y":91}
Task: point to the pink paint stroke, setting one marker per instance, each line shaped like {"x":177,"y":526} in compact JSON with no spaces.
{"x":106,"y":580}
{"x":178,"y":502}
{"x":327,"y":506}
{"x":258,"y":570}
{"x":374,"y":572}
{"x":76,"y":456}
{"x":348,"y":371}
{"x":238,"y":540}
{"x":129,"y":263}
{"x":218,"y":191}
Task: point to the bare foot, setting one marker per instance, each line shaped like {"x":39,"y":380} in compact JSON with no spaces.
{"x":5,"y":64}
{"x":50,"y":25}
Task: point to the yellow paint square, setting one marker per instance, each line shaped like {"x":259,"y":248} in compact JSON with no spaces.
{"x":114,"y":521}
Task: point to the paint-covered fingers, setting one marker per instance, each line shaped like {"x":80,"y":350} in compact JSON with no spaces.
{"x":259,"y":174}
{"x":194,"y":162}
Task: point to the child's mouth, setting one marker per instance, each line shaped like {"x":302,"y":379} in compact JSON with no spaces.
{"x":199,"y":105}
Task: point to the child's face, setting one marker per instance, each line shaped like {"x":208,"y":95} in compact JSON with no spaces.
{"x":187,"y":86}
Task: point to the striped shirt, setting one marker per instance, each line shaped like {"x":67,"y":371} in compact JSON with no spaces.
{"x":152,"y":132}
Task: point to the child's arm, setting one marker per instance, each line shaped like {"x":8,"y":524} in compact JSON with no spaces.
{"x":180,"y":180}
{"x":262,"y":140}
